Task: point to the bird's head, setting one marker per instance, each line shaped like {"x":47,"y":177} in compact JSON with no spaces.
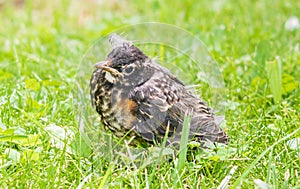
{"x":125,"y":61}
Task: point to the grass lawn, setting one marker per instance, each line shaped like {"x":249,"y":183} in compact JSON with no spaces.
{"x":42,"y":44}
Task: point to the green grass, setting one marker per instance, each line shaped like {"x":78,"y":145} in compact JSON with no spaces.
{"x":42,"y":45}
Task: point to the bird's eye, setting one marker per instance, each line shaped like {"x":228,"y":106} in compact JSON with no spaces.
{"x":128,"y":69}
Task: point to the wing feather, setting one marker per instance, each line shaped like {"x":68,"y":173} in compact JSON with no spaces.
{"x":163,"y":102}
{"x":155,"y":99}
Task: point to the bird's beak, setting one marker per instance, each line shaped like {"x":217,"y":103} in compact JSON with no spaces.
{"x":105,"y":65}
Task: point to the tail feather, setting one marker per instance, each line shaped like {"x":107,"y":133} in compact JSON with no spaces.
{"x":208,"y":129}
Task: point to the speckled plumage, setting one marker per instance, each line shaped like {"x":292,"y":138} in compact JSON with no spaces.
{"x":135,"y":95}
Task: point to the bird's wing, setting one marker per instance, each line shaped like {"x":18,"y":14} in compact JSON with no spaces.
{"x":155,"y":99}
{"x":160,"y":104}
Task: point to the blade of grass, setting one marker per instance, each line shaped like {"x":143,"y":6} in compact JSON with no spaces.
{"x":225,"y":181}
{"x":269,"y":173}
{"x":108,"y":172}
{"x":160,"y":154}
{"x":146,"y":179}
{"x":183,"y":143}
{"x":85,"y":179}
{"x":182,"y":149}
{"x":252,"y":165}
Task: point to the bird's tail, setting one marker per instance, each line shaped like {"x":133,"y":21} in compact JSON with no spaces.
{"x":208,"y":129}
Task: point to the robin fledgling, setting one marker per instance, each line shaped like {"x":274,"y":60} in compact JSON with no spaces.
{"x":137,"y":97}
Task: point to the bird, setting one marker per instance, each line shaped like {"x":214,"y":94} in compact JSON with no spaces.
{"x":137,"y":97}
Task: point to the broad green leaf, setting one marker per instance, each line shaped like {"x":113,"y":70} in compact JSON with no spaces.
{"x":6,"y":132}
{"x":5,"y":75}
{"x":32,"y":84}
{"x":214,"y":158}
{"x":59,"y":132}
{"x":12,"y":134}
{"x":294,"y":143}
{"x":79,"y":146}
{"x":257,"y":81}
{"x":12,"y":154}
{"x":52,"y":83}
{"x":29,"y":154}
{"x":61,"y":138}
{"x":12,"y":131}
{"x":30,"y":140}
{"x":262,"y":55}
{"x":274,"y":74}
{"x":216,"y":152}
{"x":33,"y":104}
{"x":12,"y":138}
{"x":155,"y":153}
{"x":288,"y":83}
